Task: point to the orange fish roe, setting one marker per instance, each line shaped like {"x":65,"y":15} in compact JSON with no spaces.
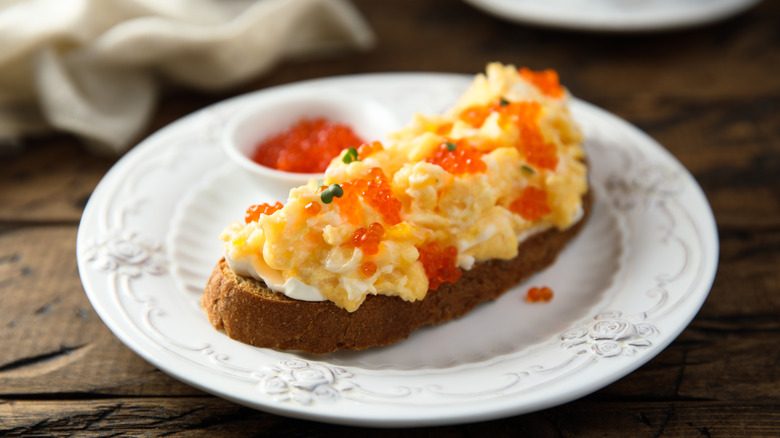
{"x":368,"y":269}
{"x":457,"y":158}
{"x":439,"y":264}
{"x":525,"y":116}
{"x":546,"y":81}
{"x":376,"y":192}
{"x":476,"y":115}
{"x":349,"y":204}
{"x":509,"y":112}
{"x":254,"y":211}
{"x":368,"y":239}
{"x":312,"y":208}
{"x":306,"y":147}
{"x":532,"y":204}
{"x":539,"y":294}
{"x":367,"y":149}
{"x":531,"y":143}
{"x":444,"y":128}
{"x":537,"y":152}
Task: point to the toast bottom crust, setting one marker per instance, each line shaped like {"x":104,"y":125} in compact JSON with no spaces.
{"x":251,"y":313}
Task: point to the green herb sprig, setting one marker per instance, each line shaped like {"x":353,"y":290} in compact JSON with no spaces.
{"x":334,"y":190}
{"x":350,"y":156}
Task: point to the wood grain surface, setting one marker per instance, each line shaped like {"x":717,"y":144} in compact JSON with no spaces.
{"x":711,"y":95}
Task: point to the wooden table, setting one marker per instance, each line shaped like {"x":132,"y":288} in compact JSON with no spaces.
{"x":711,"y":95}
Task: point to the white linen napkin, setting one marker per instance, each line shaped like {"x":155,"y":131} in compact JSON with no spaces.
{"x":93,"y":67}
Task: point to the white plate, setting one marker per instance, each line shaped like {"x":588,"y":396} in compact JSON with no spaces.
{"x":614,"y":15}
{"x":624,"y":289}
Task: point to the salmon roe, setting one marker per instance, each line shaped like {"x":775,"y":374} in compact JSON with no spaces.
{"x":439,"y":264}
{"x":376,"y":192}
{"x":312,"y":208}
{"x":509,"y":112}
{"x":524,"y":115}
{"x":254,"y":211}
{"x":546,"y":81}
{"x":367,"y":149}
{"x":368,"y":239}
{"x":476,"y":115}
{"x":538,"y":152}
{"x":539,"y":294}
{"x":531,"y":143}
{"x":444,"y":128}
{"x":306,"y":147}
{"x":457,"y":158}
{"x":532,"y":204}
{"x":368,"y":269}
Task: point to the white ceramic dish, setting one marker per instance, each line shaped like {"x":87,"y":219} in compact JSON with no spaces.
{"x":267,"y":117}
{"x":625,"y":288}
{"x":614,"y":15}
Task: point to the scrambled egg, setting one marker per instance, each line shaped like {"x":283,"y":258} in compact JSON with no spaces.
{"x":474,"y":212}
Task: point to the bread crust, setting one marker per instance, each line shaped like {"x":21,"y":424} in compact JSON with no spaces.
{"x":251,"y":313}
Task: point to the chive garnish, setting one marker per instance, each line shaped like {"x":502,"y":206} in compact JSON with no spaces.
{"x":503,"y":102}
{"x":334,"y":190}
{"x":528,"y":169}
{"x":350,"y":156}
{"x":451,"y":146}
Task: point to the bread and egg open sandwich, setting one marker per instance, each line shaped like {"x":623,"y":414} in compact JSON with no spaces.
{"x":450,"y":211}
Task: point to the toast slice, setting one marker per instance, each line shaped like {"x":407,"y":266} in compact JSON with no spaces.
{"x":251,"y":313}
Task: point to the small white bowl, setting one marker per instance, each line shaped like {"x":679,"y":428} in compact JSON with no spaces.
{"x":274,"y":113}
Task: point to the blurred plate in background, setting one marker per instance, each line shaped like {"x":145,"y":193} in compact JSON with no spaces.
{"x":614,"y":15}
